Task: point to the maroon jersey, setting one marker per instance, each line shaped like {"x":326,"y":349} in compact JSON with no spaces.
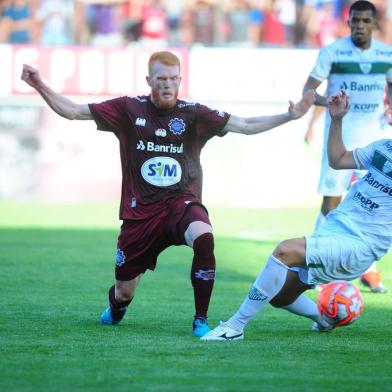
{"x":159,"y":148}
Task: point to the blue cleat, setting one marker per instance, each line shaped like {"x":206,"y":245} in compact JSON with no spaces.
{"x":200,"y":327}
{"x":106,"y":317}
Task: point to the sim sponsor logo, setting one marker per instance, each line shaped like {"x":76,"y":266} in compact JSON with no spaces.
{"x":161,"y":171}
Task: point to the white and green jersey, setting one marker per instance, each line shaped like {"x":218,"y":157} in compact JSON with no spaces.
{"x":367,"y":208}
{"x":361,"y":73}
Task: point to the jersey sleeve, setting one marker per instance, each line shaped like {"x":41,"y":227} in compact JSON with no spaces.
{"x":363,"y":156}
{"x":323,"y":65}
{"x":210,"y":122}
{"x":109,"y":115}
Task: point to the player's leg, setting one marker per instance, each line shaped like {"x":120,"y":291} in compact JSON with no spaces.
{"x":120,"y":295}
{"x":293,"y":299}
{"x":329,"y":257}
{"x":268,"y":284}
{"x":332,"y":184}
{"x":197,"y":233}
{"x":372,"y":280}
{"x":329,"y":203}
{"x":200,"y":238}
{"x":137,"y":251}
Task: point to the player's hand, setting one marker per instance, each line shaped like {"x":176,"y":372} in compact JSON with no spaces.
{"x":297,"y":110}
{"x":338,"y":105}
{"x":31,"y":76}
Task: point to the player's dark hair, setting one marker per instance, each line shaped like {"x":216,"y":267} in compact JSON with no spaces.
{"x":363,"y":5}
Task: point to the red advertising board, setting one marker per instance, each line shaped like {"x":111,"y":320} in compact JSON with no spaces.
{"x":83,"y":70}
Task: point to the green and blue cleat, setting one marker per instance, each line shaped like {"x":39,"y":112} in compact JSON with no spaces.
{"x":200,"y":327}
{"x":108,"y":319}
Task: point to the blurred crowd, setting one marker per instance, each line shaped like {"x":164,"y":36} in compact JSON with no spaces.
{"x":248,"y":23}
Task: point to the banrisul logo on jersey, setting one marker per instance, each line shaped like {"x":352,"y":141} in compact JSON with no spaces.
{"x":362,"y":87}
{"x":161,"y":171}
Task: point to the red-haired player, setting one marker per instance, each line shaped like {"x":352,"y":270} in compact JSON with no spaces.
{"x":161,"y":138}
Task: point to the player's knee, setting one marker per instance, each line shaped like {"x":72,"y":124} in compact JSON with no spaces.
{"x":283,"y":251}
{"x":291,"y":252}
{"x":195,"y":230}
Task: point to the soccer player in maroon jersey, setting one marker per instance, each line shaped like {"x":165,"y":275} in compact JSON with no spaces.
{"x":161,"y":138}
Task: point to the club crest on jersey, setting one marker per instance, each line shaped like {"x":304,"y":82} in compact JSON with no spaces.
{"x":365,"y":67}
{"x":177,"y":126}
{"x":160,"y":132}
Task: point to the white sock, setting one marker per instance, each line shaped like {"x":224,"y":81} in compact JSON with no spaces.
{"x":372,"y":268}
{"x":319,"y":221}
{"x":304,"y":306}
{"x":267,"y":284}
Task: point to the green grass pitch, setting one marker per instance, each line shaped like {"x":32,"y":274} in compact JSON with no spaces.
{"x":56,"y":264}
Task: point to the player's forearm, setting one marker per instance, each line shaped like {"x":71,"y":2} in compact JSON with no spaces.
{"x":60,"y":104}
{"x":320,"y":100}
{"x":255,"y":125}
{"x":312,"y":84}
{"x":336,"y":148}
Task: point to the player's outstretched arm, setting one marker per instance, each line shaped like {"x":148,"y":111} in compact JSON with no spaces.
{"x":61,"y":105}
{"x":254,"y":125}
{"x":338,"y":156}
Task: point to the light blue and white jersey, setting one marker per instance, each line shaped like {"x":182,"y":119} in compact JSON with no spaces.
{"x":367,"y":209}
{"x":361,"y":73}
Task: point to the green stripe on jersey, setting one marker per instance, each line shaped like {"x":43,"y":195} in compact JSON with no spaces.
{"x":355,"y":68}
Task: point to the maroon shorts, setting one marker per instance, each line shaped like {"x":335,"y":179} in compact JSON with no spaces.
{"x":140,"y":242}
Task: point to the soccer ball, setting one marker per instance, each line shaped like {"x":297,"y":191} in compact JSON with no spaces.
{"x":340,"y":303}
